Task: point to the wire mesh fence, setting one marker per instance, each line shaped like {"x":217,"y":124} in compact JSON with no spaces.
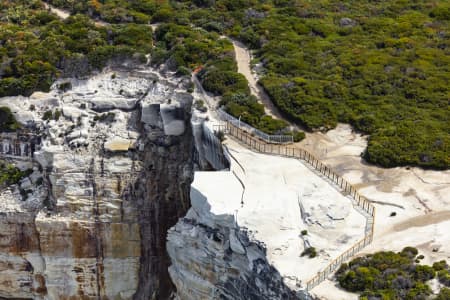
{"x":347,"y":189}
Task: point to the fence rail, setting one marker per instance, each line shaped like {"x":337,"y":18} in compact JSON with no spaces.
{"x":346,"y":188}
{"x":277,"y":139}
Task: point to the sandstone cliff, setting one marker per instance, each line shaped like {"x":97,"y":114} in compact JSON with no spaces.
{"x":111,"y":162}
{"x":108,"y":181}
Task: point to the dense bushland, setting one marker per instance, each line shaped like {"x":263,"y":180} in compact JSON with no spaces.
{"x":119,"y":11}
{"x":390,"y":275}
{"x":382,"y":66}
{"x":37,"y":45}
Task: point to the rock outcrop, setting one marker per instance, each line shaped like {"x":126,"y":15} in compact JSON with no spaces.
{"x":105,"y":210}
{"x":86,"y":223}
{"x":161,"y":193}
{"x":212,"y":258}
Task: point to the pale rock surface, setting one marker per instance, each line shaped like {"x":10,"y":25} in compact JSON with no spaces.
{"x":250,"y":219}
{"x":77,"y":234}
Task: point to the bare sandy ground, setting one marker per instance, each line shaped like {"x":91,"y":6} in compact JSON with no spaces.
{"x":243,"y":59}
{"x":59,"y":12}
{"x":420,"y":199}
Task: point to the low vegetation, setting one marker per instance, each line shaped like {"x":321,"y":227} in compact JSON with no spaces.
{"x":9,"y":174}
{"x":119,"y":11}
{"x":311,"y":252}
{"x":7,"y":120}
{"x":182,"y":47}
{"x":382,"y":66}
{"x":390,"y":275}
{"x":36,"y":46}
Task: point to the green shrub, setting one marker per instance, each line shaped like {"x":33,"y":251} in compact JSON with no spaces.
{"x":219,"y":82}
{"x":9,"y":174}
{"x":311,"y":252}
{"x":388,"y":275}
{"x":7,"y":120}
{"x":444,"y":294}
{"x":440,"y":265}
{"x":297,"y":135}
{"x":183,"y":71}
{"x":43,"y":43}
{"x":105,"y":117}
{"x":65,"y":86}
{"x":48,"y":115}
{"x":410,"y":251}
{"x":444,"y":277}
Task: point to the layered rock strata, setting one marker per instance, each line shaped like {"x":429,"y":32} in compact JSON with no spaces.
{"x":74,"y":228}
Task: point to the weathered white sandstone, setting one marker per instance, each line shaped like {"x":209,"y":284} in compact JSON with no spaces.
{"x":75,"y":232}
{"x":250,"y":219}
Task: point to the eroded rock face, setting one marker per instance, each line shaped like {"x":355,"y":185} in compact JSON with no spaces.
{"x":212,"y":258}
{"x":111,"y":175}
{"x":74,"y":228}
{"x":162,"y":191}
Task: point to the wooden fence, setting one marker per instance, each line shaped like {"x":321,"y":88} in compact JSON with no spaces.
{"x":346,"y":188}
{"x":276,"y":139}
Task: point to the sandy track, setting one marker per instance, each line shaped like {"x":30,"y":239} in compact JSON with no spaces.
{"x":243,"y":59}
{"x":63,"y":14}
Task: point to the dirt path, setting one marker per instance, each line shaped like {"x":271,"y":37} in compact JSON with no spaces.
{"x":243,"y":59}
{"x":63,"y":14}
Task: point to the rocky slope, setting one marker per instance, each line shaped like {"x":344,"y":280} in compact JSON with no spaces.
{"x":86,"y":223}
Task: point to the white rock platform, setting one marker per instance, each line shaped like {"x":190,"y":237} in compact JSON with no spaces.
{"x":276,"y":198}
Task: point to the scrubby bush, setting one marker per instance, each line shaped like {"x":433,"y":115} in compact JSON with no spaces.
{"x":389,"y":275}
{"x":380,"y":66}
{"x":311,"y":252}
{"x":200,"y":105}
{"x":444,"y":294}
{"x":65,"y":86}
{"x":48,"y":115}
{"x":410,"y":251}
{"x":440,"y":265}
{"x":219,"y":82}
{"x":444,"y":277}
{"x":37,"y":45}
{"x":220,"y":135}
{"x":7,"y":120}
{"x":297,"y":135}
{"x":9,"y":174}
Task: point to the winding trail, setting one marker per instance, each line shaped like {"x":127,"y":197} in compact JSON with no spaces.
{"x":243,"y":59}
